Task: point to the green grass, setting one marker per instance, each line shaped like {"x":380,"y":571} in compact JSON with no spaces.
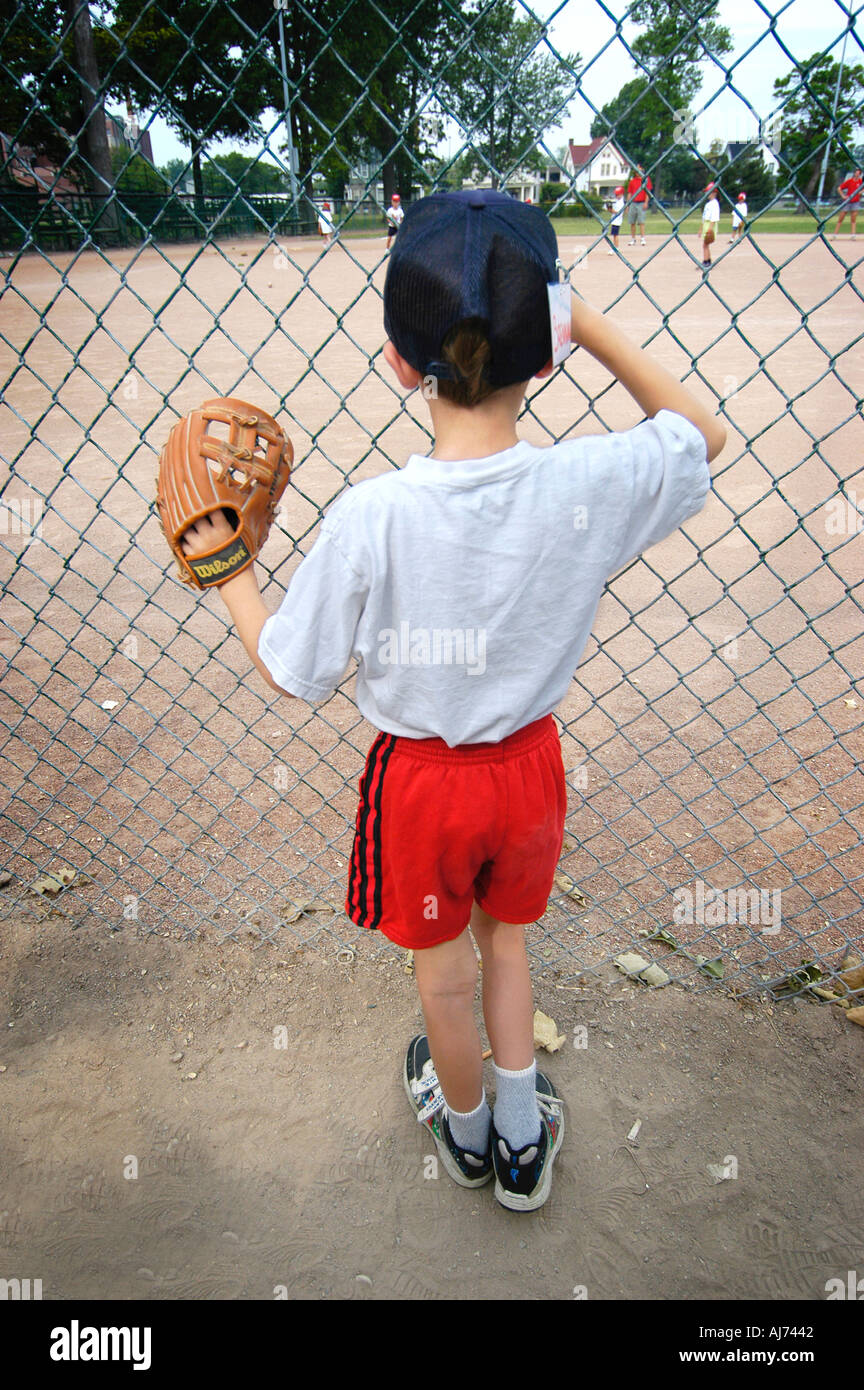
{"x":690,"y":224}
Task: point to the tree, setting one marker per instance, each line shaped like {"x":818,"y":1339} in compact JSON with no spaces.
{"x":132,"y":173}
{"x":503,"y":93}
{"x":649,"y":117}
{"x":40,"y":96}
{"x":630,"y":120}
{"x":397,"y":60}
{"x":748,"y":173}
{"x":225,"y":173}
{"x":199,"y":68}
{"x":807,"y":97}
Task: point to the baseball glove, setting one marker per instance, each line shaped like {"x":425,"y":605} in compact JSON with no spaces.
{"x":226,"y":455}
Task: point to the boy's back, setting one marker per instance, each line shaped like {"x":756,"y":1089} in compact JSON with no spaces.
{"x":474,"y":584}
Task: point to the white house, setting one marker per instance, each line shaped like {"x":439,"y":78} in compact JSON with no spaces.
{"x":598,"y":167}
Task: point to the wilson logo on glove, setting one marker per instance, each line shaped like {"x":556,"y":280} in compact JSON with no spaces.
{"x":201,"y":471}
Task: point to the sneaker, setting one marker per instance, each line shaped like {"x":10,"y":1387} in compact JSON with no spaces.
{"x":643,"y":241}
{"x":610,"y":252}
{"x":427,"y":1101}
{"x":523,"y":1177}
{"x":631,"y":243}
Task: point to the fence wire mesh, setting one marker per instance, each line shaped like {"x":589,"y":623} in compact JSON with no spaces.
{"x":712,"y":730}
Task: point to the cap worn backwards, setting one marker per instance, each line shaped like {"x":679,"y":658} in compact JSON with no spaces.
{"x":474,"y":254}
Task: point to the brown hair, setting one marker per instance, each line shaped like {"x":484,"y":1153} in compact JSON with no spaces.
{"x":466,"y":349}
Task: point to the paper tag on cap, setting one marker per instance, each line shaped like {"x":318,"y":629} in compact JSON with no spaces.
{"x":559,"y":321}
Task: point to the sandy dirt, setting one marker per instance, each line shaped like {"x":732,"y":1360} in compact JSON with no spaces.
{"x":301,"y":1168}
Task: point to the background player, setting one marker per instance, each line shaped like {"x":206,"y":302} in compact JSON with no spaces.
{"x":617,"y":210}
{"x":325,"y":223}
{"x":851,"y":190}
{"x":710,"y":223}
{"x":638,"y":190}
{"x":739,"y":212}
{"x":395,"y":213}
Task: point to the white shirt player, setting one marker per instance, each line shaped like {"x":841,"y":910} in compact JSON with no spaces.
{"x":395,"y":213}
{"x":467,"y":590}
{"x":739,"y":212}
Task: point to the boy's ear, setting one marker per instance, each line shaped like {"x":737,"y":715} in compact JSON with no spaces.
{"x":547,"y":370}
{"x":406,"y":375}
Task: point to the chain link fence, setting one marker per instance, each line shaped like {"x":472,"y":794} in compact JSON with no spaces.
{"x":712,"y":733}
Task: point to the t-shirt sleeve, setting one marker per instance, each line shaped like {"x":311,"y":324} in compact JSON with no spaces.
{"x":307,"y":643}
{"x":669,"y":479}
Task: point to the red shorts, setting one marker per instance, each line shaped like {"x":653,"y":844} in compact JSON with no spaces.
{"x":440,"y":828}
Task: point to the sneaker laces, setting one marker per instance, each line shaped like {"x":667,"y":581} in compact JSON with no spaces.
{"x":424,"y":1083}
{"x":553,"y":1106}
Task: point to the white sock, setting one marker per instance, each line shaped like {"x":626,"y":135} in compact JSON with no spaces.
{"x":470,"y":1128}
{"x":517,"y":1114}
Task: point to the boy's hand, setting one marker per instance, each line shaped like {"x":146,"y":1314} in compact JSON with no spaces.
{"x":203,"y":471}
{"x":208,"y":533}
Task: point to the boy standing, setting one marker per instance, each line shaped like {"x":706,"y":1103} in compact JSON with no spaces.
{"x":710,"y":222}
{"x":739,"y":213}
{"x":395,"y":213}
{"x":617,"y":214}
{"x":437,"y":578}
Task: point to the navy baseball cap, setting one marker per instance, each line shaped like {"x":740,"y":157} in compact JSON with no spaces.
{"x":475,"y":254}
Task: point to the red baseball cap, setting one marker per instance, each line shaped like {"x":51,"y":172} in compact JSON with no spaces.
{"x":741,"y":197}
{"x":395,"y":198}
{"x":618,"y":190}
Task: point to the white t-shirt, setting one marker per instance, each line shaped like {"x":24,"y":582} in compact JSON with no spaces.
{"x":739,"y":212}
{"x":712,"y":211}
{"x":467,"y":591}
{"x":618,"y":208}
{"x":395,"y":213}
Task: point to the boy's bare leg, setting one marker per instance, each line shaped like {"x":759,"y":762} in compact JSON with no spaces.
{"x":446,"y":978}
{"x":508,"y":1005}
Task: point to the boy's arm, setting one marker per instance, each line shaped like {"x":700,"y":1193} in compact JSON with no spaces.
{"x":651,"y":386}
{"x":243,"y":600}
{"x":240,"y":595}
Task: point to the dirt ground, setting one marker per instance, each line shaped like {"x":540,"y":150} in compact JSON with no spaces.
{"x":299,"y":1171}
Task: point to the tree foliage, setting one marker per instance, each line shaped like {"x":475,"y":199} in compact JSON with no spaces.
{"x":807,"y":98}
{"x":40,"y":96}
{"x":503,"y":92}
{"x":193,"y":62}
{"x":648,"y":116}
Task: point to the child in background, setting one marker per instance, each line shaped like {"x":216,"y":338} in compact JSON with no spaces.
{"x":617,"y":215}
{"x":395,"y":213}
{"x":463,"y":798}
{"x":710,"y":222}
{"x":325,"y":223}
{"x":739,"y":213}
{"x":850,"y":188}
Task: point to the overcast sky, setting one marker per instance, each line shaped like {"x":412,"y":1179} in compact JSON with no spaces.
{"x":803,"y":27}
